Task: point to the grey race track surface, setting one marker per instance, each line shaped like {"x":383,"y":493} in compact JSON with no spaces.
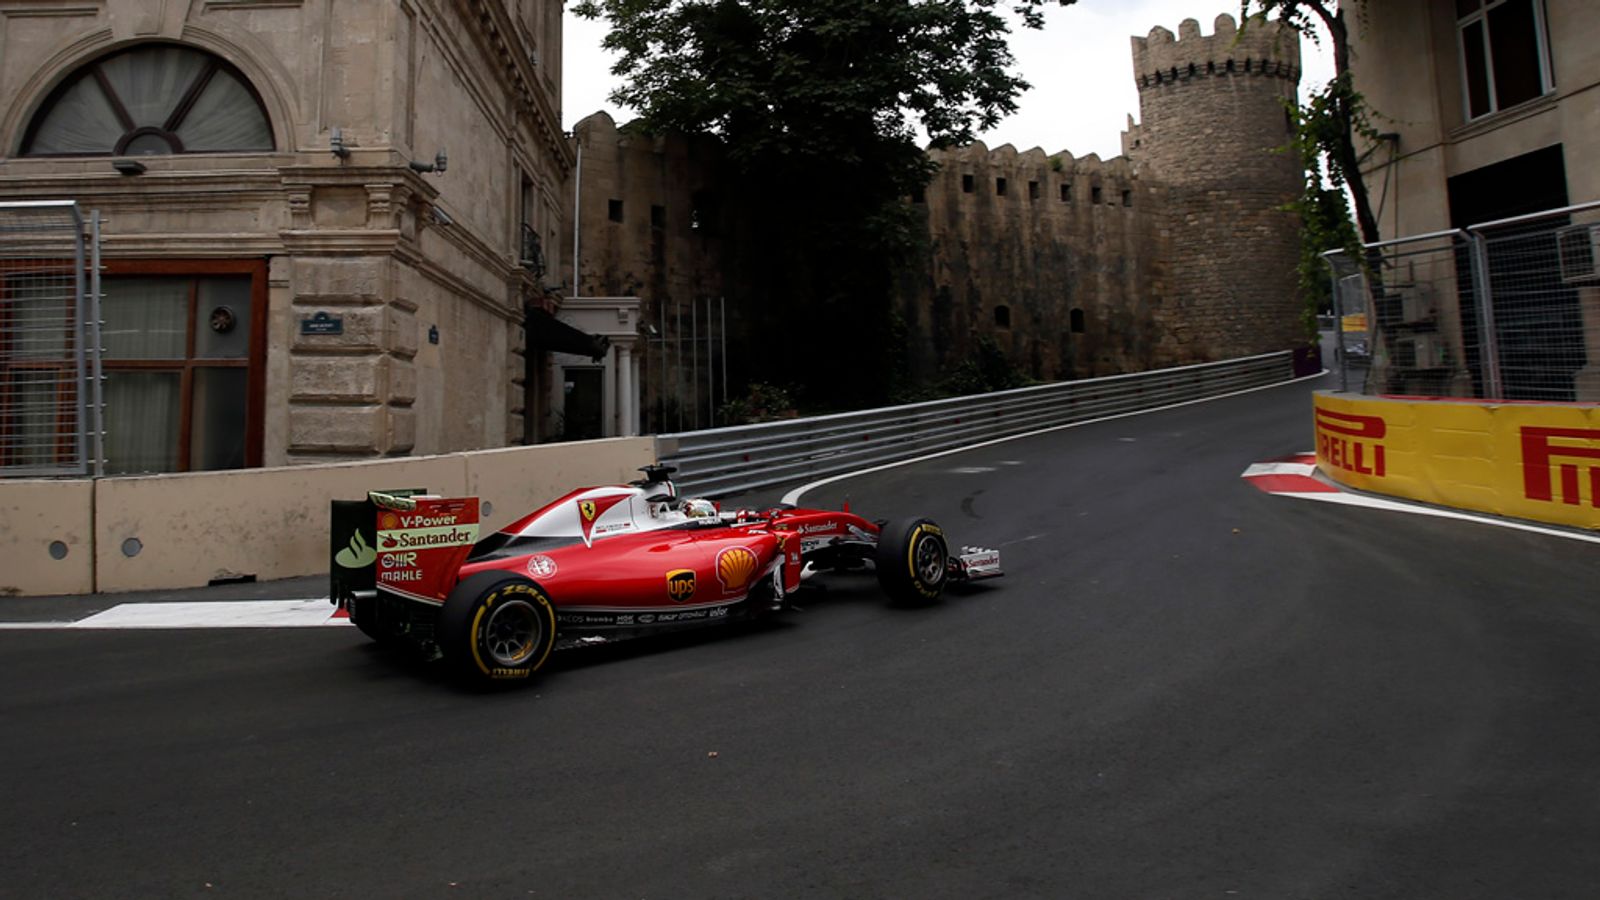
{"x":1183,"y":688}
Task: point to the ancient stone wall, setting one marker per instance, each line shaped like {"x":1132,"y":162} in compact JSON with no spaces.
{"x":1053,"y":257}
{"x":1212,"y":119}
{"x":1179,"y":251}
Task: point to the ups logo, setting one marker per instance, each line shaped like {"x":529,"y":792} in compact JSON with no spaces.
{"x":680,"y":584}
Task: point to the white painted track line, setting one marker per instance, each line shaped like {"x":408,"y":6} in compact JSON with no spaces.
{"x":207,"y":614}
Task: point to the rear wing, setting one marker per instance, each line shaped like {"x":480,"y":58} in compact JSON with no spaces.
{"x":402,"y":541}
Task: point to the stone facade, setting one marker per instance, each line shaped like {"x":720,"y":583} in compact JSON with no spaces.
{"x":1212,"y":122}
{"x":423,"y":270}
{"x":1178,"y":251}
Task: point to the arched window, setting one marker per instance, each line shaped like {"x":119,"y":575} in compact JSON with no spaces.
{"x":153,"y":99}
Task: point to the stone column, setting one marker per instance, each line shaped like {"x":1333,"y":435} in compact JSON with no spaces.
{"x":608,"y":395}
{"x":627,"y":403}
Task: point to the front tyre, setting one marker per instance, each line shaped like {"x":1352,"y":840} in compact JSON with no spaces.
{"x":912,"y":561}
{"x":497,"y":627}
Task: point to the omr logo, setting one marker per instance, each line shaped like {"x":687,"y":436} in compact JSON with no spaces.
{"x":1350,"y":442}
{"x":1542,"y":464}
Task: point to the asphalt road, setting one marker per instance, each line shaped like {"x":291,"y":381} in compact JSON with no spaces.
{"x":1183,"y":688}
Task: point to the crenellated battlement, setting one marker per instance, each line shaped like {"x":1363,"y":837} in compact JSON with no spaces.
{"x":1263,"y":48}
{"x":1007,"y":158}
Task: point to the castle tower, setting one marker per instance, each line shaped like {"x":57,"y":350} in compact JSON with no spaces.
{"x":1212,"y":116}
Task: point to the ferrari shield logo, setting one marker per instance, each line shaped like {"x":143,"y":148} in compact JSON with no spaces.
{"x":587,"y":510}
{"x":680,"y":584}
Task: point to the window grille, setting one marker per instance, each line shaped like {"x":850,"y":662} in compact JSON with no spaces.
{"x":153,"y":99}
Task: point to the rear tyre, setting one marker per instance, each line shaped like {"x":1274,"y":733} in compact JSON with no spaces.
{"x":912,"y":561}
{"x":497,"y":627}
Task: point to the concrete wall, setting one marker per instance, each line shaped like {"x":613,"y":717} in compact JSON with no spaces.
{"x":34,"y":516}
{"x":185,"y":530}
{"x":1534,"y":461}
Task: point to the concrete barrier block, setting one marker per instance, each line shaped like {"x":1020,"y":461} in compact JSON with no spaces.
{"x":168,"y":531}
{"x":46,"y":537}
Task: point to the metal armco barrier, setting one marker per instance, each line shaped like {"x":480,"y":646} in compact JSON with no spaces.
{"x":722,"y":461}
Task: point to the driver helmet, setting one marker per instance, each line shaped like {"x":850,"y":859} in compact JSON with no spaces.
{"x":699,"y":508}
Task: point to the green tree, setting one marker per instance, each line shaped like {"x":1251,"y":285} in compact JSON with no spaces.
{"x":1324,"y":215}
{"x":818,"y":104}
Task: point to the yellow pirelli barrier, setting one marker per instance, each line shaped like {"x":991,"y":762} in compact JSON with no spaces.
{"x":1525,"y":460}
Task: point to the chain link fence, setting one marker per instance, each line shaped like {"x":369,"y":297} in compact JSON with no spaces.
{"x":1505,"y":310}
{"x":50,"y":399}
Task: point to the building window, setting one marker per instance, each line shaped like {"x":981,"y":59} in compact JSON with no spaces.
{"x":1504,"y":55}
{"x":614,"y":210}
{"x":1033,"y":190}
{"x":1066,"y":192}
{"x":1127,"y":198}
{"x":658,"y":216}
{"x":966,"y":184}
{"x":1095,"y":195}
{"x":150,"y":100}
{"x":1077,"y":321}
{"x":184,"y":351}
{"x":999,"y":187}
{"x":1002,"y":317}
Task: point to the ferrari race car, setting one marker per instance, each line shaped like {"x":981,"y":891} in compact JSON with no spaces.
{"x":603,"y":564}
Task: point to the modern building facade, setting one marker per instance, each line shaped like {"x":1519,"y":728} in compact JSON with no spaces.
{"x":324,"y":219}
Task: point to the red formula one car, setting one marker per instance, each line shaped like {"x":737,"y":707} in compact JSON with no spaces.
{"x":606,"y":563}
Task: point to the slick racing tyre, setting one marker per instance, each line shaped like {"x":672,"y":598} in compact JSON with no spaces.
{"x":497,"y":627}
{"x":912,"y":561}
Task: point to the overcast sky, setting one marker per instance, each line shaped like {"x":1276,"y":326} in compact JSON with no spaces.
{"x":1080,"y":66}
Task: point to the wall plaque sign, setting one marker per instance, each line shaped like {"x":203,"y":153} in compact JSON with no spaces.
{"x":322,"y":323}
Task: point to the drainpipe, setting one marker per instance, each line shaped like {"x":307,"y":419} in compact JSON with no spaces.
{"x":577,"y":209}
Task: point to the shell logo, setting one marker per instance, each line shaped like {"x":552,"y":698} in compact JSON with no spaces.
{"x":735,"y":565}
{"x":388,"y":522}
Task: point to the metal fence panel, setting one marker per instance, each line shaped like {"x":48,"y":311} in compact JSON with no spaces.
{"x":49,"y":341}
{"x":1506,"y":310}
{"x":723,"y":461}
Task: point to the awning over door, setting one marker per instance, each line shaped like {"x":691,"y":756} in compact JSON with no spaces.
{"x":546,"y":332}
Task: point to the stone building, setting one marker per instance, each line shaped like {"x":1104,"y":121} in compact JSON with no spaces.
{"x":1178,"y":251}
{"x":324,"y":218}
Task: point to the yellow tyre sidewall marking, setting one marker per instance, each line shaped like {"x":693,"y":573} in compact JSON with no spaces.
{"x":911,"y":559}
{"x":540,"y":602}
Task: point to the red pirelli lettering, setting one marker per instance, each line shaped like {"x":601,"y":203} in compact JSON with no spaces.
{"x":1370,"y":428}
{"x":1337,"y":435}
{"x":1545,"y":462}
